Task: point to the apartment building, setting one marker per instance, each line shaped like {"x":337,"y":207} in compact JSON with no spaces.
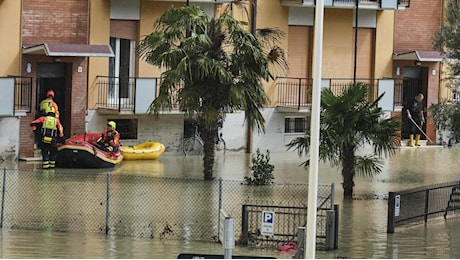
{"x":416,"y":62}
{"x":85,"y":51}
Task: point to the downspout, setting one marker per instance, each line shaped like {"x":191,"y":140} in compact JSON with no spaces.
{"x":250,"y":130}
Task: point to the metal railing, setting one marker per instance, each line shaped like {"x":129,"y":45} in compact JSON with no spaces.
{"x":67,"y":200}
{"x":288,"y":219}
{"x":22,"y":93}
{"x":116,"y":93}
{"x":419,"y":204}
{"x":349,"y":3}
{"x":296,"y":92}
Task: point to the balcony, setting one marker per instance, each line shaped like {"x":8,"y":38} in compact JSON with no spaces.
{"x":363,"y":4}
{"x":294,"y":94}
{"x":20,"y":89}
{"x":126,"y":95}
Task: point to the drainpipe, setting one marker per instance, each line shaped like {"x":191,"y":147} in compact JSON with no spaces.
{"x":249,"y":141}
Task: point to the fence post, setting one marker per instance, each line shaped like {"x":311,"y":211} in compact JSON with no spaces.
{"x":332,"y":195}
{"x":336,"y":221}
{"x":244,"y":225}
{"x":391,"y":213}
{"x":427,"y":200}
{"x":107,"y":204}
{"x":330,"y":229}
{"x":3,"y":196}
{"x":300,"y":246}
{"x":220,"y":206}
{"x":229,"y":237}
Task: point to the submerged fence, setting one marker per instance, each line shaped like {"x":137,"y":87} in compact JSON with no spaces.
{"x":419,"y":204}
{"x":140,"y":206}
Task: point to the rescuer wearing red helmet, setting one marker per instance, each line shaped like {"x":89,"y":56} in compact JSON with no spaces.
{"x":49,"y":104}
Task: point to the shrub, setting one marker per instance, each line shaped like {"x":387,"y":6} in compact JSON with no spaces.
{"x":446,"y":117}
{"x":261,"y":169}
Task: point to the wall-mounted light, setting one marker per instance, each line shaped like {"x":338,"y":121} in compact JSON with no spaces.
{"x":398,"y":70}
{"x":433,"y":72}
{"x":29,"y":67}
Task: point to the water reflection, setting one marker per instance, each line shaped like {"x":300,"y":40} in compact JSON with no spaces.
{"x":362,"y":220}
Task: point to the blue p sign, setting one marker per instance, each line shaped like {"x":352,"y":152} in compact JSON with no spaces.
{"x":267,"y":216}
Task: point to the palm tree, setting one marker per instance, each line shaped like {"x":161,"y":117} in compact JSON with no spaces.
{"x":211,"y":66}
{"x":348,"y":122}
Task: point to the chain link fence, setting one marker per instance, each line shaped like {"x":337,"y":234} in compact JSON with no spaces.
{"x":140,"y":206}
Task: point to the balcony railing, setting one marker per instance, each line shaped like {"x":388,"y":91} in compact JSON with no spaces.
{"x":297,"y":92}
{"x":125,"y":95}
{"x":22,"y":94}
{"x":116,"y":93}
{"x":368,"y":4}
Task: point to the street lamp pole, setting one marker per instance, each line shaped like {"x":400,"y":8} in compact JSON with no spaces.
{"x":356,"y":40}
{"x":310,"y":242}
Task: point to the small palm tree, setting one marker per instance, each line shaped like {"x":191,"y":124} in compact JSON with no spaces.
{"x":348,"y":122}
{"x":211,"y":66}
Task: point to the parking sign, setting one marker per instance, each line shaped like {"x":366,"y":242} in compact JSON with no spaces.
{"x":268,"y":221}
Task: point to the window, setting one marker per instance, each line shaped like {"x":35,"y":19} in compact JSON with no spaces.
{"x":126,"y":127}
{"x":295,"y":125}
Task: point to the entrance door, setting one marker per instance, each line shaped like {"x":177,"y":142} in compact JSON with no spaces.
{"x":54,"y":76}
{"x":414,"y":82}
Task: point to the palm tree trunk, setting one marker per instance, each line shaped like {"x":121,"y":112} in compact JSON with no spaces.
{"x":348,"y":172}
{"x":208,"y":135}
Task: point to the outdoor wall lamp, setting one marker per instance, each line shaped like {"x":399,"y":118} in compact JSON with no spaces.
{"x":29,"y":67}
{"x":433,"y":72}
{"x":398,"y":70}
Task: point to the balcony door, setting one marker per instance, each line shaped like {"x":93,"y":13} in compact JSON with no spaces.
{"x":121,"y":71}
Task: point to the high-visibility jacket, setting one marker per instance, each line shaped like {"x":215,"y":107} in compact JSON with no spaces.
{"x":111,"y":138}
{"x":50,"y":126}
{"x":48,"y":105}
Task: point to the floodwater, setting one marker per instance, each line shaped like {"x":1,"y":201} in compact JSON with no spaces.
{"x":362,"y":224}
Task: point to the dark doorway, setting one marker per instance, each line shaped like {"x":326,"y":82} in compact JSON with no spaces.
{"x":415,"y":81}
{"x":54,"y":76}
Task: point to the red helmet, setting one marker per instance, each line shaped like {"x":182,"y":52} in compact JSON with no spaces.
{"x":50,"y":93}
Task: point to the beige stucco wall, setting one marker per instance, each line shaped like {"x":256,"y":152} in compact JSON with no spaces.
{"x":99,"y":33}
{"x":384,"y":44}
{"x":270,"y":14}
{"x":10,"y":35}
{"x":150,"y":12}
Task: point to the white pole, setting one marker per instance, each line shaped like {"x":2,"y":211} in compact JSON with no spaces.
{"x":310,"y":245}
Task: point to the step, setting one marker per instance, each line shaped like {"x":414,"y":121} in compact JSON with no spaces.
{"x":405,"y":143}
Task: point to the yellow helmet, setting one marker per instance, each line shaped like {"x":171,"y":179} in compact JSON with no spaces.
{"x":112,"y":124}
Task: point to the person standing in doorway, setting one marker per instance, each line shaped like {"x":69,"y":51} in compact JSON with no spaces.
{"x":414,"y":112}
{"x":50,"y":129}
{"x":48,"y":104}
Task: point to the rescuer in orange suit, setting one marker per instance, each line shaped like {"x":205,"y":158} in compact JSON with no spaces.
{"x":110,"y":138}
{"x":50,"y":129}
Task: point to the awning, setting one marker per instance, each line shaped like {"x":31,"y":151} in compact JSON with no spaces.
{"x":69,"y":50}
{"x":427,"y":56}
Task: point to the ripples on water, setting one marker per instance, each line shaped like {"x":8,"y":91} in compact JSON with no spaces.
{"x":362,"y":220}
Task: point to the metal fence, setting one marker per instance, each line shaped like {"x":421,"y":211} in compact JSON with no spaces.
{"x":419,"y":204}
{"x":140,"y":206}
{"x":297,"y":92}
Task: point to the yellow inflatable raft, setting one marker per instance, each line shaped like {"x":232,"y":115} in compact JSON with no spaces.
{"x":143,"y":151}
